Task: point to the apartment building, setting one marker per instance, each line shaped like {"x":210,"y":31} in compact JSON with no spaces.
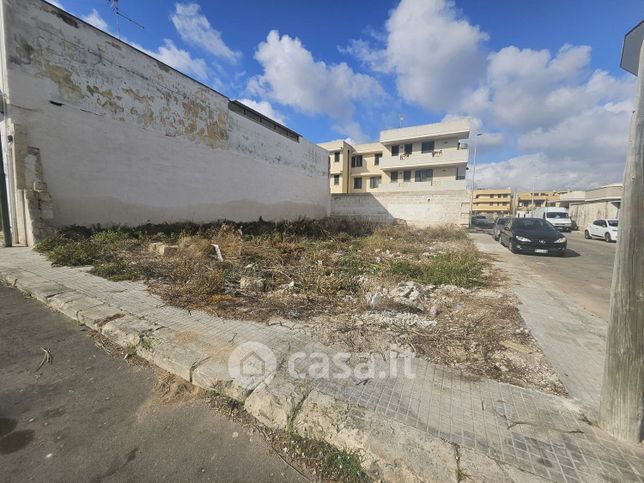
{"x":415,"y":158}
{"x":527,"y":201}
{"x":497,"y":202}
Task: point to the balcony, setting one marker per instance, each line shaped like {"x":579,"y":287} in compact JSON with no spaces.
{"x":444,"y":157}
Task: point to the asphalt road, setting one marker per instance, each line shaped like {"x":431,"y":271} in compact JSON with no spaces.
{"x":92,"y":417}
{"x":584,"y":274}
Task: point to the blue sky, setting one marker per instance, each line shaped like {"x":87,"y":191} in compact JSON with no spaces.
{"x":541,"y":80}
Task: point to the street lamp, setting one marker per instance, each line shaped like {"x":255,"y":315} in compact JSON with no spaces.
{"x":473,"y":176}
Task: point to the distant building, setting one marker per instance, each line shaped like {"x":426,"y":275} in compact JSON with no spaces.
{"x":597,"y":203}
{"x":527,"y":201}
{"x":497,"y":202}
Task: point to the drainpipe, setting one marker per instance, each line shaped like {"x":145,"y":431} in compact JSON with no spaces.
{"x":4,"y":203}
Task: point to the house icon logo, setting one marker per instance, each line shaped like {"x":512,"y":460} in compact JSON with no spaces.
{"x":251,"y":364}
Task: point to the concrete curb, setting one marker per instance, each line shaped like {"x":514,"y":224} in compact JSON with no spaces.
{"x":391,"y":451}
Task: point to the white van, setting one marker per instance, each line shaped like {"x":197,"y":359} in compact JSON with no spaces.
{"x":557,"y":216}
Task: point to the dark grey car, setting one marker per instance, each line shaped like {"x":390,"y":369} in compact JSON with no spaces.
{"x":498,"y":226}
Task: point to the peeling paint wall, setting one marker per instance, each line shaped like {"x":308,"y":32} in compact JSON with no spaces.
{"x":122,"y":138}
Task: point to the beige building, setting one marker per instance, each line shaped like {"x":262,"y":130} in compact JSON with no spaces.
{"x":415,"y":158}
{"x":527,"y":201}
{"x":492,"y":202}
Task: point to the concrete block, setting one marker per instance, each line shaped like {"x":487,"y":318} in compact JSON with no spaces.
{"x":70,"y":303}
{"x":163,"y":249}
{"x":177,"y":357}
{"x":127,"y":331}
{"x":96,"y":317}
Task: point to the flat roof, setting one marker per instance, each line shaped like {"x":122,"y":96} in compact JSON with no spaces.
{"x":456,"y":127}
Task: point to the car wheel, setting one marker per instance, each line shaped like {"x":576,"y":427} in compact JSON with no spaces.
{"x":512,"y":247}
{"x":587,"y":235}
{"x":607,"y":237}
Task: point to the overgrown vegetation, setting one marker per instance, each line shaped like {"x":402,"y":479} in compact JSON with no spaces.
{"x":295,"y":269}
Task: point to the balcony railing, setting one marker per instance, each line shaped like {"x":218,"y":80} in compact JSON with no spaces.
{"x":440,"y":157}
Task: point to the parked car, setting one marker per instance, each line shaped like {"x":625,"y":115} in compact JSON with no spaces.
{"x":533,"y":235}
{"x":603,"y":228}
{"x":498,"y":226}
{"x":479,"y":220}
{"x":558,"y":216}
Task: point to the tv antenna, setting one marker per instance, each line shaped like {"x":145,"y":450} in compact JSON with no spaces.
{"x":114,"y":5}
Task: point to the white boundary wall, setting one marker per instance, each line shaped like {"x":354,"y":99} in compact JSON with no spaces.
{"x":426,"y":208}
{"x":95,"y":131}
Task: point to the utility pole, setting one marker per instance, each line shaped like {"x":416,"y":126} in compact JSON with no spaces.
{"x":621,"y":410}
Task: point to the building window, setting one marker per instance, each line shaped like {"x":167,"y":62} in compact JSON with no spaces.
{"x":374,"y":181}
{"x":395,"y":150}
{"x":427,"y":147}
{"x":406,"y":176}
{"x":376,"y":159}
{"x":356,"y":161}
{"x":424,"y":175}
{"x":336,"y":179}
{"x":336,"y":157}
{"x":460,"y":172}
{"x":394,"y":176}
{"x":357,"y":183}
{"x":408,"y":148}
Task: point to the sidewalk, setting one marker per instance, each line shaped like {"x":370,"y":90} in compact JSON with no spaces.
{"x":573,"y":339}
{"x":436,"y":427}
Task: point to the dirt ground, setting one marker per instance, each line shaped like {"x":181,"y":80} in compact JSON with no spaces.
{"x":365,"y":288}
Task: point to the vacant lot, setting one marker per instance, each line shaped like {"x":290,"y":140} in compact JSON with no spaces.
{"x":365,"y":287}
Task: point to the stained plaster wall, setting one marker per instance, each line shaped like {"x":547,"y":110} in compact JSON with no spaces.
{"x":95,"y":131}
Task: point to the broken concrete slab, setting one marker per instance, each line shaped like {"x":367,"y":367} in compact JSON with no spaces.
{"x":128,"y":331}
{"x":96,"y":317}
{"x":276,"y":403}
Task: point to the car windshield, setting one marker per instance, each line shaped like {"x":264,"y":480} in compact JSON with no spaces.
{"x":532,"y":224}
{"x":612,"y":222}
{"x":556,"y":214}
{"x":502,"y":221}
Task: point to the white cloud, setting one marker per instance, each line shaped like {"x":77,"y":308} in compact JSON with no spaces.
{"x":435,"y":55}
{"x":541,"y":172}
{"x":180,"y":59}
{"x":265,"y":108}
{"x":56,"y":3}
{"x":292,"y":77}
{"x":195,"y":29}
{"x":94,"y":18}
{"x":573,"y":121}
{"x":551,"y":109}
